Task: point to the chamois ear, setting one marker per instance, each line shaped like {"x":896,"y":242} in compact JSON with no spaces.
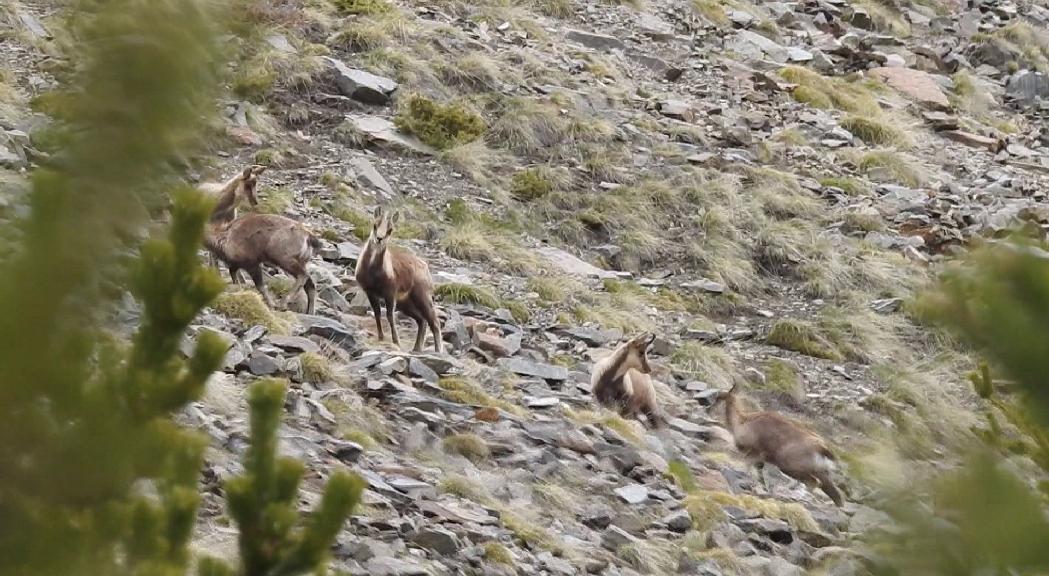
{"x":377,"y":212}
{"x":247,"y":173}
{"x":258,"y":169}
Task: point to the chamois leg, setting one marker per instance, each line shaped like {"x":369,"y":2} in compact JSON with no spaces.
{"x":655,"y":419}
{"x":300,"y":282}
{"x":376,"y":310}
{"x":391,"y":311}
{"x":234,"y":274}
{"x":260,"y":285}
{"x":431,"y":318}
{"x":311,"y":295}
{"x":759,"y":471}
{"x":420,"y":328}
{"x":828,"y":487}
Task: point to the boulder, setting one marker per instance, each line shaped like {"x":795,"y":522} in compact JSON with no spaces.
{"x":916,"y":84}
{"x":360,"y":84}
{"x":596,"y":41}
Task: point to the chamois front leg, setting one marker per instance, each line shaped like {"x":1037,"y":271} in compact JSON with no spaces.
{"x":391,"y":311}
{"x":377,"y":311}
{"x":260,"y":285}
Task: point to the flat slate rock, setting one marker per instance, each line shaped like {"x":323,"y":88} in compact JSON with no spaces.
{"x":528,"y":368}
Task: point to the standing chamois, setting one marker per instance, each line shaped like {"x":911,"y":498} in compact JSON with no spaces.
{"x":229,"y":196}
{"x":256,"y":239}
{"x":770,"y":437}
{"x":621,"y":381}
{"x":398,"y":278}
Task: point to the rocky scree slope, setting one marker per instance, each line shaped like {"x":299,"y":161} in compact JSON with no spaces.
{"x":765,"y":185}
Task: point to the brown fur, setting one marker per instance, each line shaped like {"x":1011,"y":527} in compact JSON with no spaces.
{"x":228,"y":196}
{"x":621,"y":381}
{"x":400,"y":279}
{"x":770,"y":437}
{"x":256,"y":239}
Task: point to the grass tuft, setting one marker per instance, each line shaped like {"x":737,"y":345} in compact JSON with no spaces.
{"x":247,"y":306}
{"x":472,"y":446}
{"x":712,"y":365}
{"x":496,"y":553}
{"x":802,"y":337}
{"x":873,"y":131}
{"x":457,"y":293}
{"x":782,"y":376}
{"x":706,"y":508}
{"x":316,"y":369}
{"x":440,"y":125}
{"x":468,"y":392}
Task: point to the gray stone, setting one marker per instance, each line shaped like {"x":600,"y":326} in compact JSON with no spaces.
{"x":419,"y":369}
{"x":632,"y":494}
{"x":595,"y":41}
{"x":543,"y":402}
{"x":655,"y":27}
{"x":679,"y":521}
{"x":1028,"y":87}
{"x":387,"y":566}
{"x":678,"y":109}
{"x":296,"y":344}
{"x":34,"y":26}
{"x":369,"y":176}
{"x":361,"y":85}
{"x":615,"y":538}
{"x":438,"y":539}
{"x":280,"y":43}
{"x":329,"y":329}
{"x":395,"y":365}
{"x":741,"y":19}
{"x":779,"y":567}
{"x":498,"y":346}
{"x":597,"y":517}
{"x":573,"y":265}
{"x":592,"y":336}
{"x":528,"y":368}
{"x":262,"y":365}
{"x":798,"y":54}
{"x":382,"y":131}
{"x":705,"y":285}
{"x":754,"y":46}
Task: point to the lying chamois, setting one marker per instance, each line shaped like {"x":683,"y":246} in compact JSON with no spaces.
{"x":256,"y":239}
{"x":229,"y":195}
{"x":621,"y":381}
{"x":773,"y":438}
{"x":398,"y":278}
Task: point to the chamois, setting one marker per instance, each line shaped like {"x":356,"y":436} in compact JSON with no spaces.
{"x":398,"y":278}
{"x":229,"y":195}
{"x":621,"y":381}
{"x":256,"y":239}
{"x":769,"y":437}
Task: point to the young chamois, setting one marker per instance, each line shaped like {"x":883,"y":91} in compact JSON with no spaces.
{"x":621,"y":381}
{"x":398,"y":278}
{"x":256,"y":239}
{"x":770,"y":437}
{"x":229,"y":195}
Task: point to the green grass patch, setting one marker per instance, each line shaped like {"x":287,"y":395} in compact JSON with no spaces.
{"x":468,"y":392}
{"x":457,"y":293}
{"x":471,"y":446}
{"x":363,"y":7}
{"x":440,"y":125}
{"x":496,"y":553}
{"x":873,"y":131}
{"x":895,"y":165}
{"x":850,"y":186}
{"x":247,"y":306}
{"x":706,"y":363}
{"x":316,"y":368}
{"x":820,"y":91}
{"x":802,"y":337}
{"x":707,"y":508}
{"x":782,"y":376}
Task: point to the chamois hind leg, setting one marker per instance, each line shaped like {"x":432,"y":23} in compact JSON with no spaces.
{"x":300,"y":282}
{"x":377,"y":311}
{"x":260,"y":285}
{"x":234,"y":273}
{"x":391,"y":312}
{"x":311,"y":295}
{"x":828,"y":487}
{"x":430,"y":312}
{"x":655,"y":419}
{"x":420,"y":326}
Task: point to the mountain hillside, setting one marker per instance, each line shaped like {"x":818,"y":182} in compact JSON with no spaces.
{"x":765,"y":186}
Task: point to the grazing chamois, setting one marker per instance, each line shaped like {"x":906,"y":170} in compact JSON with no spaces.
{"x":769,"y":437}
{"x":256,"y":239}
{"x":228,"y":197}
{"x":621,"y":381}
{"x":398,"y":278}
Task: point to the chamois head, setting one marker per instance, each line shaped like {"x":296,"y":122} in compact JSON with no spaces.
{"x":637,"y":352}
{"x":724,"y":395}
{"x":382,"y":227}
{"x":249,"y":183}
